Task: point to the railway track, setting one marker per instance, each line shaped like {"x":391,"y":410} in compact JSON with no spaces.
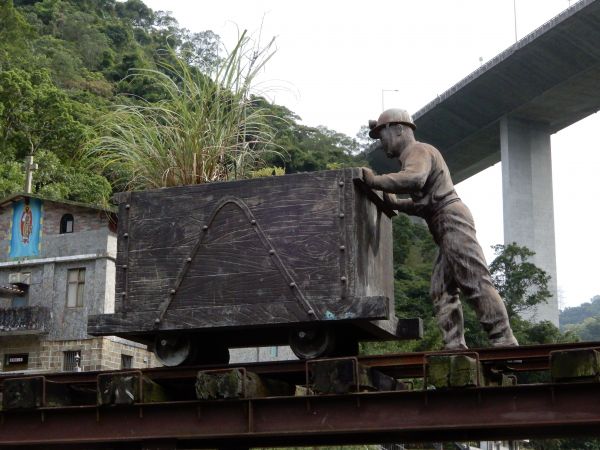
{"x":182,"y":420}
{"x":399,"y":365}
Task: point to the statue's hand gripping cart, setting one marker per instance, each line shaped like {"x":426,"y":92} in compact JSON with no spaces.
{"x":304,"y":259}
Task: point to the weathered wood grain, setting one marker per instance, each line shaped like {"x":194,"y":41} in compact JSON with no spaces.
{"x":233,"y":289}
{"x":253,"y":253}
{"x":241,"y":315}
{"x":263,"y":194}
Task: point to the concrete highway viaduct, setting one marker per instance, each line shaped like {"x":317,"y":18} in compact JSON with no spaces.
{"x":507,"y":110}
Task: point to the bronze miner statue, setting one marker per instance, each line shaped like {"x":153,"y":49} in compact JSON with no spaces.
{"x":460,"y":264}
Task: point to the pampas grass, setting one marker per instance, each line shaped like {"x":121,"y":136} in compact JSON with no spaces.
{"x":205,"y":129}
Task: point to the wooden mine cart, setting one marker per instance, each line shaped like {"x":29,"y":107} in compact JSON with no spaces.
{"x":304,"y":259}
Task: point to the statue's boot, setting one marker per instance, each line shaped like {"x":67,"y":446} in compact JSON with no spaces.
{"x":504,"y":339}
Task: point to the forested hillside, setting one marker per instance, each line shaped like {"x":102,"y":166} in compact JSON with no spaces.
{"x":583,"y":320}
{"x":66,"y":64}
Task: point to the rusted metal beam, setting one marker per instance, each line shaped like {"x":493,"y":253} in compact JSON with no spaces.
{"x":517,"y":412}
{"x":399,"y":365}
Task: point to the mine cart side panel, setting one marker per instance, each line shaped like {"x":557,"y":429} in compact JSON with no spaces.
{"x":262,"y":252}
{"x":270,"y":252}
{"x":370,"y":230}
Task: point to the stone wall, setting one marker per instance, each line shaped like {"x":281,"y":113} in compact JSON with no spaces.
{"x":104,"y":353}
{"x":101,"y":353}
{"x":80,"y":243}
{"x":21,"y":344}
{"x":71,"y":322}
{"x":84,"y":219}
{"x":113,"y":348}
{"x":49,"y":288}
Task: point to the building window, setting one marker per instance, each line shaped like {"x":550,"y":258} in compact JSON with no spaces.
{"x":16,"y":361}
{"x":75,"y":285}
{"x":72,"y":361}
{"x":126,"y":361}
{"x":66,"y":224}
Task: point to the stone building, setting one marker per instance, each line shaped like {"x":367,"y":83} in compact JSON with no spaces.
{"x":57,"y":266}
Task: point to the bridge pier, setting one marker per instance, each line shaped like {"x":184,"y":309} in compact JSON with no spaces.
{"x":528,"y":200}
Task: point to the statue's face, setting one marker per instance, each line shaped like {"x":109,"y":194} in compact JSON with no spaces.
{"x":391,"y":140}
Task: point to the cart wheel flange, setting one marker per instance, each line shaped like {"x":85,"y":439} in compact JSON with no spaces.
{"x":172,"y":349}
{"x":312,"y":342}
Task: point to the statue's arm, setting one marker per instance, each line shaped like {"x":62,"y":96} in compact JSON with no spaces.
{"x":411,"y":179}
{"x":405,"y":205}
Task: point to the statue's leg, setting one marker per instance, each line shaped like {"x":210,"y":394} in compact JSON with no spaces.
{"x":447,"y":306}
{"x":469,"y":269}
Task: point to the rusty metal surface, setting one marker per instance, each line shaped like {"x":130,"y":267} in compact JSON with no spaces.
{"x":556,"y":410}
{"x":486,"y":413}
{"x":524,"y":358}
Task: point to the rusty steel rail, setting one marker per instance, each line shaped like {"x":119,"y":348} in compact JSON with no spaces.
{"x":399,"y":365}
{"x":486,"y":413}
{"x":524,"y":358}
{"x":516,"y":412}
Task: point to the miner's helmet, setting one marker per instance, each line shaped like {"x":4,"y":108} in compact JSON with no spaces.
{"x":390,"y":117}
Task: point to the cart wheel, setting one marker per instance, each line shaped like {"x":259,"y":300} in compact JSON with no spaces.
{"x":178,"y":349}
{"x":312,"y":342}
{"x":173,"y":349}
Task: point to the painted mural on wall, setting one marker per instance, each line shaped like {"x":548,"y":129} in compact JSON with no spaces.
{"x":26,"y":228}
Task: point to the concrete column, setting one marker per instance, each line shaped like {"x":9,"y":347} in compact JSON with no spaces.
{"x":528,"y":200}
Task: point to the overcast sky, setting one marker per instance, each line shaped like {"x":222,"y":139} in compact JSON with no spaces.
{"x":338,"y":63}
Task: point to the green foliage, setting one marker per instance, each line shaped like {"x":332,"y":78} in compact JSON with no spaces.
{"x":36,"y":115}
{"x":205,"y":129}
{"x":12,"y":178}
{"x":306,"y":149}
{"x":15,"y":36}
{"x":577,"y":314}
{"x":267,"y":172}
{"x":588,"y":330}
{"x":56,"y":180}
{"x":200,"y":50}
{"x":519,"y":282}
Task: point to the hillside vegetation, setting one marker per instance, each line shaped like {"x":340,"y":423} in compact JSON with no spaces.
{"x":583,"y":320}
{"x":66,"y":65}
